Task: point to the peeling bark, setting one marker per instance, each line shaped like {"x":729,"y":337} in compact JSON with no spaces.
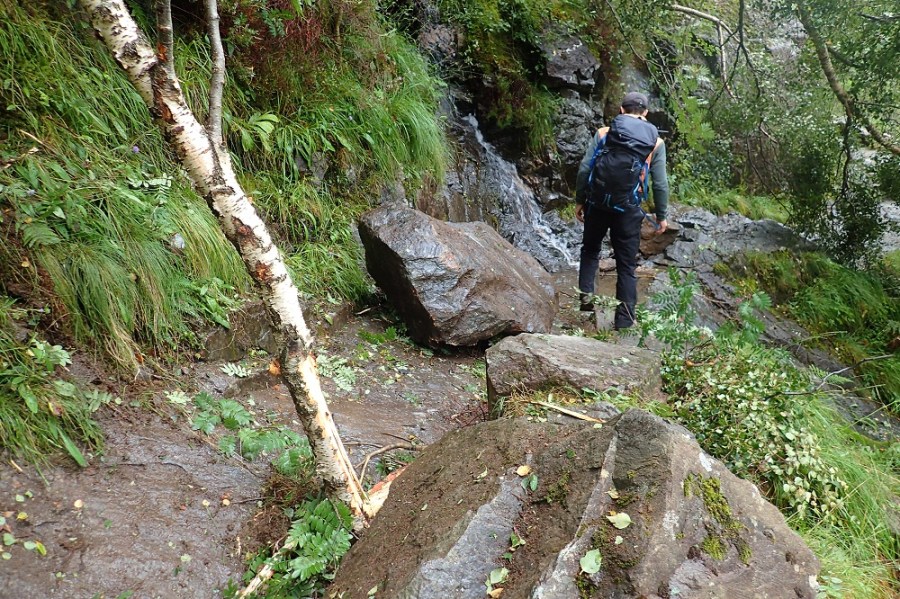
{"x":204,"y":155}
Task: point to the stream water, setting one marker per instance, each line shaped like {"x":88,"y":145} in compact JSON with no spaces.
{"x":520,"y":220}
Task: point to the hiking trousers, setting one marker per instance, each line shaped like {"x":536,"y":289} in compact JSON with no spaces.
{"x":625,"y":236}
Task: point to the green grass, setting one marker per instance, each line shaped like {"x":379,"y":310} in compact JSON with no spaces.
{"x":366,"y":100}
{"x":97,"y":205}
{"x":96,"y":208}
{"x":859,"y":552}
{"x":41,"y":413}
{"x":855,"y":312}
{"x":731,"y":200}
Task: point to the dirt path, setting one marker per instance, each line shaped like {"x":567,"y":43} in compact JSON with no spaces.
{"x":149,"y":516}
{"x":134,"y":521}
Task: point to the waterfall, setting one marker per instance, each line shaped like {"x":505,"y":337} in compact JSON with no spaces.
{"x":487,"y":176}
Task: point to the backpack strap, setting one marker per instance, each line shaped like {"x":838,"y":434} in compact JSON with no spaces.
{"x":659,"y":142}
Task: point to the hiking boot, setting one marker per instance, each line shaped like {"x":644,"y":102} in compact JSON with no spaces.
{"x":619,"y":326}
{"x":586,"y":304}
{"x":624,"y":318}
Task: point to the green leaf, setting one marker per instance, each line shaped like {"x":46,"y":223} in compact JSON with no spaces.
{"x":73,"y":449}
{"x":497,"y":576}
{"x":228,"y":445}
{"x":177,"y":397}
{"x":30,"y":398}
{"x":590,"y":563}
{"x":620,"y":520}
{"x":247,"y":140}
{"x":205,"y":422}
{"x":8,"y":539}
{"x":65,"y":388}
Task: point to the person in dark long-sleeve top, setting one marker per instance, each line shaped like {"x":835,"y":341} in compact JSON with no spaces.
{"x":624,"y":224}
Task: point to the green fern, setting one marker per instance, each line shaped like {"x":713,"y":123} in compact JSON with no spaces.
{"x":38,"y":235}
{"x":318,"y":538}
{"x":338,"y":370}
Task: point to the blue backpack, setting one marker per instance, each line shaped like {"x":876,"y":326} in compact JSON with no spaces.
{"x":619,"y":167}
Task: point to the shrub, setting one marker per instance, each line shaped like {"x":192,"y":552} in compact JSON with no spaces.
{"x":752,"y":408}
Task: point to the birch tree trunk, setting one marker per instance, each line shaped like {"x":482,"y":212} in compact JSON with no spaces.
{"x":203,"y":154}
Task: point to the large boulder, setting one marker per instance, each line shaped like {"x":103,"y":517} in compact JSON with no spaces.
{"x":455,"y":283}
{"x":569,"y":62}
{"x":533,"y":362}
{"x":683,"y":525}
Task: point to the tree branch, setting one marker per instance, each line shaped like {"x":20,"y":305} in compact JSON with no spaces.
{"x":886,"y":18}
{"x":848,"y":158}
{"x":722,"y":41}
{"x":701,"y":15}
{"x":217,"y":83}
{"x":831,"y":75}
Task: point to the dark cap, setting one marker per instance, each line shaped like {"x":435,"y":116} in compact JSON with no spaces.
{"x":635,"y":100}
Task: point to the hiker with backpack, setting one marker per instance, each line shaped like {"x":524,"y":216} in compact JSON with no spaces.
{"x":610,"y":187}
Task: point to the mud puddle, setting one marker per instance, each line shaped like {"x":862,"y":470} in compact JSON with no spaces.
{"x":146,"y":518}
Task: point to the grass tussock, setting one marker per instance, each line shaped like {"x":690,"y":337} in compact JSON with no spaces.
{"x":112,"y":228}
{"x":40,"y":412}
{"x":852,"y":312}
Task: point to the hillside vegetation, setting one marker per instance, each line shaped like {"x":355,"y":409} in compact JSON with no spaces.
{"x":331,"y":107}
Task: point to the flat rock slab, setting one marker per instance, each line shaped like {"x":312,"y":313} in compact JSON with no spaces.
{"x":455,"y":283}
{"x":531,"y":362}
{"x":693,"y":530}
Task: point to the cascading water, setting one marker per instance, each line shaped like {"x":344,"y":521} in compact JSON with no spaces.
{"x":487,"y":176}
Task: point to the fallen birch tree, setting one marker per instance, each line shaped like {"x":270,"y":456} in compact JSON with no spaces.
{"x":202,"y":151}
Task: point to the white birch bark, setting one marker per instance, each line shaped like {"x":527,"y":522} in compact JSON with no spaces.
{"x":209,"y":166}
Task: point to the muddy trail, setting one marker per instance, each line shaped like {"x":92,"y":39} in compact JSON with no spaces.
{"x":162,"y":512}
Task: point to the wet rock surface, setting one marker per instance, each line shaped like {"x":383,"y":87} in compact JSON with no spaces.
{"x":692,"y":530}
{"x":575,"y":124}
{"x":485,"y":186}
{"x":569,"y":62}
{"x":526,"y":363}
{"x":455,"y":283}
